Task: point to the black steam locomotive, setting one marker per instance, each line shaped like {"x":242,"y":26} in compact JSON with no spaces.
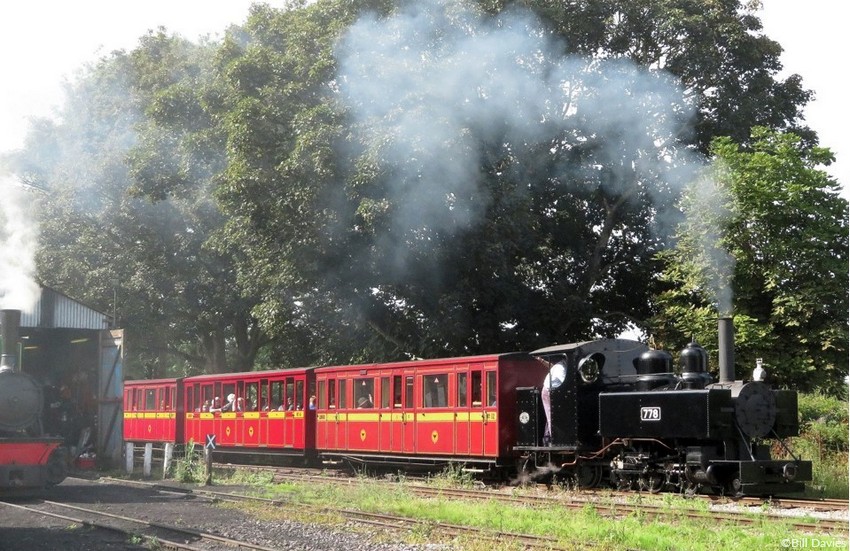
{"x":28,"y":458}
{"x":615,"y":411}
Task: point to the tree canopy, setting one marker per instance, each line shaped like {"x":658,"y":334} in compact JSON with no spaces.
{"x":783,"y":230}
{"x":371,"y":180}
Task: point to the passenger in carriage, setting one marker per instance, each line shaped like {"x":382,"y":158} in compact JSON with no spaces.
{"x":365,"y":402}
{"x":206,"y":406}
{"x":231,"y":403}
{"x":312,"y":404}
{"x":216,"y":405}
{"x":240,"y":404}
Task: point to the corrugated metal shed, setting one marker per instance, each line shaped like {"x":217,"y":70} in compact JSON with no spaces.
{"x":57,"y":311}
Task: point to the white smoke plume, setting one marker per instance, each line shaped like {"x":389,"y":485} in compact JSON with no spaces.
{"x":434,"y":82}
{"x":18,"y":241}
{"x":707,"y":213}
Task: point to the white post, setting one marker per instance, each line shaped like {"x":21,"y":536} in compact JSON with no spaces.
{"x":128,"y":457}
{"x":166,"y":461}
{"x":148,"y":458}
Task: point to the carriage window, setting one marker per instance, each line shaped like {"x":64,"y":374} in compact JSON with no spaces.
{"x":385,"y":392}
{"x":332,"y":394}
{"x":290,"y":394}
{"x":168,"y":399}
{"x":264,"y":403}
{"x":251,"y":399}
{"x":491,"y":388}
{"x":323,"y":399}
{"x":461,"y":390}
{"x":435,"y":390}
{"x":343,"y":393}
{"x":397,"y":391}
{"x":226,"y":391}
{"x":299,"y":395}
{"x":408,"y":391}
{"x":217,"y":394}
{"x":150,"y":399}
{"x":276,"y":399}
{"x":476,"y":388}
{"x":364,"y":393}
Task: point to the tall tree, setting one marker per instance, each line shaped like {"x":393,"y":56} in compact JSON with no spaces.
{"x":783,"y":228}
{"x":421,"y":179}
{"x":128,"y":208}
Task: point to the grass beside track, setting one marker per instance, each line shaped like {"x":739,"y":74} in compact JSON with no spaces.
{"x":581,"y":528}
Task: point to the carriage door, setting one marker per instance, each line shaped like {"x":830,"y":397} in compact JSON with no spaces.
{"x":289,"y":407}
{"x":462,"y":414}
{"x":385,"y":417}
{"x":476,"y":412}
{"x":490,"y":417}
{"x":409,"y":416}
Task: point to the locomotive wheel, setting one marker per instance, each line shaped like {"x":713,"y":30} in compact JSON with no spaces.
{"x":652,"y":483}
{"x":588,"y":476}
{"x":57,"y":466}
{"x":734,"y":488}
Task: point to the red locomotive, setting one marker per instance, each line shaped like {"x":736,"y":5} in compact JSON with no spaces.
{"x":28,"y":458}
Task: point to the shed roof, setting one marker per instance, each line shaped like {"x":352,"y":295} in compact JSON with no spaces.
{"x":55,"y":310}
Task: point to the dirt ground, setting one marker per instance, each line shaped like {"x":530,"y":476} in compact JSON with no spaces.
{"x":21,"y":530}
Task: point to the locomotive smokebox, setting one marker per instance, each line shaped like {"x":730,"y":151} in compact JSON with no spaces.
{"x":10,"y":323}
{"x":726,"y":349}
{"x":21,"y":399}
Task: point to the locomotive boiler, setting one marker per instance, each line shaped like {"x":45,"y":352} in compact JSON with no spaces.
{"x":616,"y":411}
{"x":28,"y":458}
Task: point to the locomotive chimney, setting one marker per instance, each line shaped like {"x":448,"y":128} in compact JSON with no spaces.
{"x":726,"y":349}
{"x":10,"y":323}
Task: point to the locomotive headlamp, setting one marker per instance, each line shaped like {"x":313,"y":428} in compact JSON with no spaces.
{"x":588,"y":369}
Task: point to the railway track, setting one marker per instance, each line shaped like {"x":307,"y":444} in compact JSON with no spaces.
{"x":386,"y":521}
{"x":280,"y":474}
{"x":165,"y":536}
{"x":611,"y":506}
{"x":647,"y":506}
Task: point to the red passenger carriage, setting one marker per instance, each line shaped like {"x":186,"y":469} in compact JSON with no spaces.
{"x":269,"y":412}
{"x":153,"y":411}
{"x":426,"y":412}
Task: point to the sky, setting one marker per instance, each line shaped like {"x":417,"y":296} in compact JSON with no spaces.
{"x":43,"y":43}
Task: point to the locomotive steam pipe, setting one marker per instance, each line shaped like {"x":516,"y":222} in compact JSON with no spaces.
{"x":10,"y":323}
{"x":726,"y":349}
